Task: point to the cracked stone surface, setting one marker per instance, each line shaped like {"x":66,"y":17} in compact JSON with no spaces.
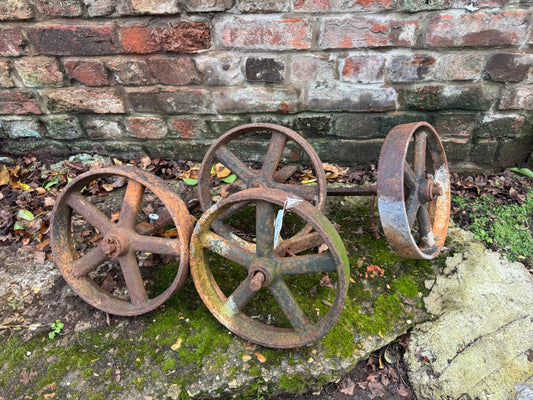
{"x":480,"y":344}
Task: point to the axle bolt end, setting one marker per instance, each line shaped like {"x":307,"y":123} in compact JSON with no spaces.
{"x":257,"y":281}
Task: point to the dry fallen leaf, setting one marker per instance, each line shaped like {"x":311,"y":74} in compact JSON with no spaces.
{"x":261,"y":358}
{"x":246,"y":357}
{"x":4,"y":176}
{"x":221,"y":171}
{"x":176,"y":346}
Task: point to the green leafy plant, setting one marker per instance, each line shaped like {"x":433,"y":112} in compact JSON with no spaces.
{"x":190,"y":181}
{"x":522,"y":171}
{"x":57,"y":327}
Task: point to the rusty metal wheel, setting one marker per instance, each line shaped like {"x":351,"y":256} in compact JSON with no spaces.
{"x":229,"y":146}
{"x":264,"y":292}
{"x":414,"y":191}
{"x":108,"y":276}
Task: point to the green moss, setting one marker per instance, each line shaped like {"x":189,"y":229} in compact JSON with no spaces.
{"x":254,"y":371}
{"x":86,"y":374}
{"x":406,"y":286}
{"x":293,"y":384}
{"x":169,"y":364}
{"x":108,"y":373}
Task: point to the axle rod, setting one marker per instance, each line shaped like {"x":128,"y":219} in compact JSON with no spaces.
{"x":352,"y":191}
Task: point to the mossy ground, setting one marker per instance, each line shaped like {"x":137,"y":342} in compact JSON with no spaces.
{"x":167,"y":350}
{"x":504,"y":227}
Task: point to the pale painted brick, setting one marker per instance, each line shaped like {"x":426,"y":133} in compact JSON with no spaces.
{"x":517,"y":98}
{"x":206,"y":5}
{"x":460,"y":67}
{"x":256,"y":99}
{"x":308,"y":68}
{"x":364,"y":69}
{"x":220,"y":69}
{"x":350,"y":97}
{"x":5,"y":76}
{"x":39,"y":71}
{"x":97,"y":100}
{"x":155,"y":6}
{"x":98,"y":128}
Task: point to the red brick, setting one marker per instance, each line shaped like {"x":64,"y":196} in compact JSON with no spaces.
{"x":15,"y":10}
{"x":18,"y":102}
{"x":11,"y":42}
{"x":410,"y":68}
{"x":147,"y":127}
{"x":342,"y":5}
{"x":346,"y":33}
{"x":509,"y":67}
{"x":365,"y":69}
{"x":87,"y":40}
{"x":39,"y":71}
{"x":173,"y":71}
{"x":139,"y":39}
{"x":183,"y":37}
{"x":186,"y":128}
{"x":87,"y":72}
{"x":154,"y":6}
{"x":97,"y":100}
{"x":460,"y":66}
{"x":5,"y":77}
{"x":59,"y":8}
{"x":265,"y":32}
{"x":517,"y":98}
{"x":481,"y":29}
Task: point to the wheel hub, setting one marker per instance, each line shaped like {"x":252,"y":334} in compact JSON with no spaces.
{"x":116,"y":243}
{"x":260,"y":274}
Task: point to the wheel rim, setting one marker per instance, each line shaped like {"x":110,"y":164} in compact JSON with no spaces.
{"x":121,"y":240}
{"x":417,"y":194}
{"x":262,"y":261}
{"x":266,"y":177}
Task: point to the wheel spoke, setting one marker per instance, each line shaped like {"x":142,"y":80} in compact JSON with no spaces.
{"x":157,"y":245}
{"x":411,"y":208}
{"x":299,"y":243}
{"x":409,"y":176}
{"x":240,"y":297}
{"x":82,"y":266}
{"x":307,"y":264}
{"x":289,"y":305}
{"x":134,"y":280}
{"x":420,"y":155}
{"x":274,"y":153}
{"x":89,"y":212}
{"x":131,"y":204}
{"x":306,"y":192}
{"x":264,"y":229}
{"x":232,"y":162}
{"x":285,"y":173}
{"x":228,"y":249}
{"x":424,"y":224}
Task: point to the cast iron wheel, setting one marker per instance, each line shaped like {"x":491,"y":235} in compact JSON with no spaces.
{"x":267,"y":176}
{"x":267,"y":277}
{"x":414,"y":198}
{"x":122,"y":243}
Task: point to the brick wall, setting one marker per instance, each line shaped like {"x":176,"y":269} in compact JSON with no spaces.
{"x":166,"y":77}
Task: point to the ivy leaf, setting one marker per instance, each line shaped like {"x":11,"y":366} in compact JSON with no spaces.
{"x":53,"y":182}
{"x":190,"y":181}
{"x":522,"y":171}
{"x":230,"y":179}
{"x":25,"y":214}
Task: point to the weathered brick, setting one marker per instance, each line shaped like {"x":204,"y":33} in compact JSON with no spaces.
{"x":517,"y":98}
{"x":346,"y":33}
{"x":186,"y":101}
{"x":446,"y":97}
{"x":59,"y":8}
{"x":357,"y":153}
{"x":410,"y":68}
{"x":484,"y":152}
{"x":180,"y":37}
{"x":357,"y":126}
{"x":87,"y":40}
{"x":264,"y":70}
{"x":173,"y":70}
{"x":509,"y":67}
{"x":206,"y":5}
{"x":39,"y":71}
{"x":15,"y":10}
{"x":18,"y":102}
{"x":147,"y":127}
{"x":312,"y":68}
{"x":98,"y":8}
{"x":5,"y":76}
{"x":131,"y":71}
{"x":515,"y":151}
{"x":312,"y":126}
{"x":455,"y":125}
{"x":222,"y":124}
{"x":154,"y":6}
{"x":388,"y":121}
{"x":342,"y":6}
{"x":92,"y":100}
{"x":187,"y":127}
{"x":11,"y":42}
{"x":365,"y":69}
{"x":349,"y":97}
{"x":480,"y":29}
{"x":460,"y":67}
{"x":19,"y":128}
{"x":426,"y":5}
{"x":63,"y":127}
{"x":220,"y":69}
{"x":144,"y":99}
{"x":457,"y":150}
{"x":98,"y":128}
{"x":501,"y":126}
{"x":256,"y":99}
{"x":87,"y":72}
{"x":264,"y":32}
{"x":252,"y":6}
